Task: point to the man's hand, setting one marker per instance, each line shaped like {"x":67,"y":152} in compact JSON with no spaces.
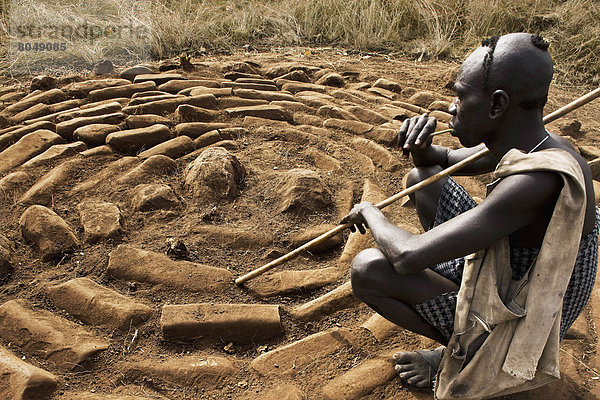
{"x":414,"y":134}
{"x":356,"y":217}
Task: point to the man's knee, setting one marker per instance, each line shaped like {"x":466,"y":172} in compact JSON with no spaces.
{"x":418,"y":174}
{"x":368,"y":268}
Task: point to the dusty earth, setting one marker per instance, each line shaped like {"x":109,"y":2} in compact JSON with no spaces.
{"x":130,"y":202}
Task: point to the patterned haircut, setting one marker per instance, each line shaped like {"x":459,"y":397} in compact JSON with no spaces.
{"x":537,"y":41}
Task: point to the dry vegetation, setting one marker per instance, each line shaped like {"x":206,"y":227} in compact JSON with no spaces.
{"x":417,"y":28}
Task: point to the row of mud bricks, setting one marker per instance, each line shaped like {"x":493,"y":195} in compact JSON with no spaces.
{"x":152,"y":119}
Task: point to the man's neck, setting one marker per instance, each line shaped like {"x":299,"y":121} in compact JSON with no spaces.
{"x":517,"y":133}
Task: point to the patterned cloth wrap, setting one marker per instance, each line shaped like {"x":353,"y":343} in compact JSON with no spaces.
{"x":439,"y":311}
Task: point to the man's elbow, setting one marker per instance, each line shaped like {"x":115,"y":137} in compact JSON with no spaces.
{"x":403,"y":265}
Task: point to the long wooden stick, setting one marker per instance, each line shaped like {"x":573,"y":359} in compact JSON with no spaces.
{"x":434,"y":178}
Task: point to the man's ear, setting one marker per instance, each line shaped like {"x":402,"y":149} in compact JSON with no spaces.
{"x":499,"y":101}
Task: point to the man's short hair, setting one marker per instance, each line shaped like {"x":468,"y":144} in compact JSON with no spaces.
{"x":538,"y":41}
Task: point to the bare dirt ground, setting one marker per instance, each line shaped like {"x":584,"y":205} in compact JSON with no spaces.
{"x":305,"y":156}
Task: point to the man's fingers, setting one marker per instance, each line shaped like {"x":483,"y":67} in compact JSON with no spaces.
{"x":402,"y":134}
{"x":420,"y":124}
{"x":411,"y":125}
{"x":361,"y":228}
{"x":409,"y":137}
{"x":414,"y":129}
{"x":427,"y":129}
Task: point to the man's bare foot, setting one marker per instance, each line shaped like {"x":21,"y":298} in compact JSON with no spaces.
{"x":418,"y":368}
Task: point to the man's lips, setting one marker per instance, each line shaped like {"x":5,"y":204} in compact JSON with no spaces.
{"x":451,"y":126}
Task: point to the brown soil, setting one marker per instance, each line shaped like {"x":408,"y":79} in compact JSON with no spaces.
{"x":267,"y":151}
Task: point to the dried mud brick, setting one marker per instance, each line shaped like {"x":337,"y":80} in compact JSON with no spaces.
{"x":361,"y":380}
{"x":46,"y":336}
{"x":239,"y":323}
{"x":133,"y":140}
{"x":129,"y":263}
{"x":297,"y":355}
{"x":23,"y":381}
{"x":26,"y":148}
{"x":338,"y":299}
{"x":198,"y":370}
{"x":97,"y":305}
{"x":55,"y":180}
{"x":48,"y":233}
{"x":291,"y":282}
{"x":100,"y":220}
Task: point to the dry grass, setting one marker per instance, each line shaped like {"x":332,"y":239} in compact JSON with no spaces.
{"x":419,"y":28}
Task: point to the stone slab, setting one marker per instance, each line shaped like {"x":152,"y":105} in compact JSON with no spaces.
{"x":231,"y":237}
{"x":263,"y":95}
{"x":153,"y":167}
{"x":279,"y":391}
{"x":121,"y":91}
{"x":380,"y":155}
{"x":111,"y":171}
{"x":144,"y":120}
{"x":47,"y":97}
{"x":309,"y":234}
{"x":197,"y":129}
{"x":159,"y":79}
{"x":81,"y":89}
{"x":96,"y":109}
{"x":175,"y":86}
{"x":66,"y":128}
{"x":236,"y":102}
{"x":167,"y":106}
{"x":94,"y":134}
{"x":150,"y":197}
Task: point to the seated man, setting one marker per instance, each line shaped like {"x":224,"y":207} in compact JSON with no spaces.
{"x":412,"y":280}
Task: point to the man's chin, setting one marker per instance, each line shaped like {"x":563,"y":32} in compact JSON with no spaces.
{"x":466,"y":142}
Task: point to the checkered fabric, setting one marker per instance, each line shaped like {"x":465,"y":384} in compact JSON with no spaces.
{"x":439,"y":311}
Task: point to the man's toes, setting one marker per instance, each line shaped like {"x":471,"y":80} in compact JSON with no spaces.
{"x":408,"y":375}
{"x":423,"y":383}
{"x":415,"y":381}
{"x":403,"y":357}
{"x":405,"y":367}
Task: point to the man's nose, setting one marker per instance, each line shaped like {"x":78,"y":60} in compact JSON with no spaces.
{"x":452,"y":108}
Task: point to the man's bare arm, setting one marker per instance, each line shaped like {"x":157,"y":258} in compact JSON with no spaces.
{"x":516,"y":202}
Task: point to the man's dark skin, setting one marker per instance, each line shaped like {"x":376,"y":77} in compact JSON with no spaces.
{"x":396,"y":275}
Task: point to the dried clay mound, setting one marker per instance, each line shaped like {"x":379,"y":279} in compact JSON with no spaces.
{"x":131,"y":202}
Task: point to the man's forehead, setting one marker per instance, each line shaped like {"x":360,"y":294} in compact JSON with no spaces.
{"x":470,"y":74}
